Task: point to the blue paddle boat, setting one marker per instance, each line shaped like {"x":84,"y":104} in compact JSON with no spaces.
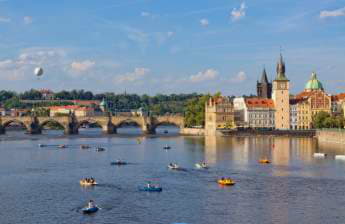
{"x":151,"y":188}
{"x":91,"y":210}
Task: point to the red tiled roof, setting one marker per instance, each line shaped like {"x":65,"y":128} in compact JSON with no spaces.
{"x":340,"y":96}
{"x":259,"y":103}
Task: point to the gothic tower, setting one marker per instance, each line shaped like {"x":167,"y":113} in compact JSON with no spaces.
{"x":280,"y":97}
{"x":264,"y":88}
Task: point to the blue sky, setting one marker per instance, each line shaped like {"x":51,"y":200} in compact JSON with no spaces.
{"x":162,"y":46}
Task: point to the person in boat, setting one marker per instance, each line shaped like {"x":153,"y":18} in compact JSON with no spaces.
{"x":92,"y":180}
{"x":91,"y":204}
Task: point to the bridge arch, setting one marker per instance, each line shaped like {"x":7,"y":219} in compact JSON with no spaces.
{"x":15,"y":121}
{"x":52,"y":122}
{"x":89,"y":121}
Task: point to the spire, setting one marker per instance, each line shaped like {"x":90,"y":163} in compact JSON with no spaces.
{"x":264,"y":78}
{"x":281,"y":69}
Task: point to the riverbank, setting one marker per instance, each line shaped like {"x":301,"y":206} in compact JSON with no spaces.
{"x":292,"y":133}
{"x":331,"y":136}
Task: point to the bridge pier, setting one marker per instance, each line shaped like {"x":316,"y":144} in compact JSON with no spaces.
{"x":71,"y":129}
{"x":109,"y":129}
{"x":2,"y":130}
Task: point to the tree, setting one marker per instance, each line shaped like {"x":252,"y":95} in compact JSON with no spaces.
{"x":325,"y":120}
{"x":195,"y":111}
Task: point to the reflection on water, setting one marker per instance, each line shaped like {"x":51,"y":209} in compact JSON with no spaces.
{"x":41,"y":185}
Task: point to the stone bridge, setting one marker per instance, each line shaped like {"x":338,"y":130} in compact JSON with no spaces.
{"x":109,"y":124}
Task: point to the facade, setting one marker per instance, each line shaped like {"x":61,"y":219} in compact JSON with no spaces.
{"x":219,"y":114}
{"x":259,"y":113}
{"x":338,"y":102}
{"x":293,"y":114}
{"x":66,"y":110}
{"x":240,"y":112}
{"x":280,"y":96}
{"x":264,"y":87}
{"x":312,"y":101}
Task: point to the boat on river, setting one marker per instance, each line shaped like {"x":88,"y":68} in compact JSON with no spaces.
{"x":201,"y":165}
{"x":90,"y":208}
{"x":166,"y":147}
{"x":62,"y":146}
{"x":86,"y":182}
{"x":151,"y":188}
{"x":100,"y":149}
{"x":226,"y":181}
{"x":118,"y":163}
{"x":320,"y":155}
{"x":264,"y":161}
{"x":42,"y":145}
{"x":174,"y":166}
{"x":84,"y":146}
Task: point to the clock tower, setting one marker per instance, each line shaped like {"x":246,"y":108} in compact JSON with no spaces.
{"x":280,"y":96}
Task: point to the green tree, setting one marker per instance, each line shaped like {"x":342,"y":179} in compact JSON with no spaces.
{"x":195,"y":111}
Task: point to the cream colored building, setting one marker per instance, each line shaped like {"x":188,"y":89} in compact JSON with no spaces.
{"x":219,"y":114}
{"x":281,"y":98}
{"x":66,"y":110}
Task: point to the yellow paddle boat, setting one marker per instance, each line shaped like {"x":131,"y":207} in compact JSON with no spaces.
{"x":264,"y":161}
{"x":226,"y":181}
{"x":88,"y":182}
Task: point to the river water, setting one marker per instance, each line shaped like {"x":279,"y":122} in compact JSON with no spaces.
{"x":41,"y":185}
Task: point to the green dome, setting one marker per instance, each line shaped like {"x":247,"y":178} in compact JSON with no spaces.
{"x":313,"y":83}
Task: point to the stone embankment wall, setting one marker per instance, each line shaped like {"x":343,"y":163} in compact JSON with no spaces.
{"x":336,"y":136}
{"x":192,"y":131}
{"x":294,"y":133}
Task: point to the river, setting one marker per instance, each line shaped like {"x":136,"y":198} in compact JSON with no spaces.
{"x":41,"y":185}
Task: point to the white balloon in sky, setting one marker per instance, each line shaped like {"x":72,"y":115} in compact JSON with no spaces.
{"x":38,"y":71}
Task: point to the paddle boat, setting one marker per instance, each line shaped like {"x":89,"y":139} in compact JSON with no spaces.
{"x":90,"y":208}
{"x":118,"y":163}
{"x":62,"y":146}
{"x":201,"y":165}
{"x":100,"y":149}
{"x":320,"y":155}
{"x":86,"y":182}
{"x":174,"y":166}
{"x":151,"y":188}
{"x":264,"y":161}
{"x":340,"y":157}
{"x":41,"y":145}
{"x":166,"y":147}
{"x":226,"y":181}
{"x":84,"y":147}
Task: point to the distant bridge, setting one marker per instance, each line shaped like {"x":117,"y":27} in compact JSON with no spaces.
{"x":109,"y":124}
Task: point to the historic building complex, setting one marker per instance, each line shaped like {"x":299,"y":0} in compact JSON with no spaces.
{"x":274,"y":107}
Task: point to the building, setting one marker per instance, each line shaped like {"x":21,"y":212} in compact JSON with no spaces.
{"x":312,"y":101}
{"x":264,"y":87}
{"x":293,"y":114}
{"x":281,"y":98}
{"x":219,"y":114}
{"x":47,"y":94}
{"x":240,"y":112}
{"x":259,"y":113}
{"x":66,"y":110}
{"x":338,"y":102}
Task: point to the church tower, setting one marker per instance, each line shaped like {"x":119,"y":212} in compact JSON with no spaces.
{"x":280,"y":97}
{"x":264,"y":88}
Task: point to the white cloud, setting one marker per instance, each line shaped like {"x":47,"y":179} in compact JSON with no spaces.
{"x":27,"y":20}
{"x":334,"y":13}
{"x":145,"y":14}
{"x":136,"y":75}
{"x":240,"y":77}
{"x":82,"y":66}
{"x":237,"y":14}
{"x":206,"y":75}
{"x":4,"y":19}
{"x":170,"y":33}
{"x":21,"y":67}
{"x":204,"y":22}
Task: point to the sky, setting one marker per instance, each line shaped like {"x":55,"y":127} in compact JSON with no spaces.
{"x":164,"y":46}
